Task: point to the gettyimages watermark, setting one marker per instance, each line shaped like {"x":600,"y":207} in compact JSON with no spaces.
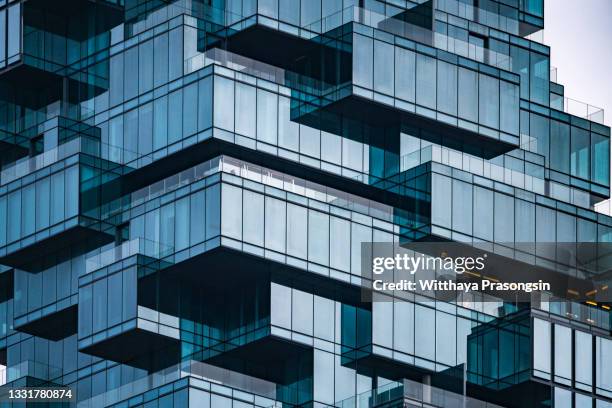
{"x":513,"y":273}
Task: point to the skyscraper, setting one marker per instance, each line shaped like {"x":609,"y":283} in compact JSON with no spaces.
{"x":187,"y":187}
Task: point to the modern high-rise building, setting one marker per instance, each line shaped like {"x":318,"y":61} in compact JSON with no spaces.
{"x":187,"y":185}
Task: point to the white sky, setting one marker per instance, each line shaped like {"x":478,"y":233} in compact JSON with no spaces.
{"x":579,"y":33}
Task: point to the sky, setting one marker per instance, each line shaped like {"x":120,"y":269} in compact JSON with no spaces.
{"x":579,"y":33}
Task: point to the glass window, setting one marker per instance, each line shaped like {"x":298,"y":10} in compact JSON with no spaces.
{"x":340,"y":241}
{"x":324,"y":318}
{"x":362,"y":61}
{"x":181,"y":224}
{"x":116,"y":79}
{"x":603,"y":368}
{"x":224,"y":103}
{"x":426,"y":81}
{"x":462,"y":207}
{"x":563,"y":349}
{"x":130,"y":79}
{"x":539,"y":80}
{"x":145,"y":129}
{"x":331,"y":147}
{"x":579,"y":152}
{"x":275,"y":224}
{"x":197,"y":214}
{"x":583,"y":401}
{"x":583,"y":356}
{"x":600,"y":162}
{"x":205,"y":108}
{"x":246,"y":102}
{"x":446,"y":336}
{"x":541,"y":348}
{"x":323,"y":383}
{"x":383,"y":68}
{"x":57,"y":198}
{"x":160,"y":55}
{"x":160,"y":124}
{"x":145,"y":66}
{"x":509,"y":107}
{"x":3,"y":216}
{"x":100,"y":300}
{"x":318,"y":237}
{"x":559,"y":146}
{"x":253,"y":216}
{"x":175,"y":69}
{"x":403,"y":326}
{"x":441,"y":205}
{"x":213,"y":211}
{"x":302,"y":312}
{"x":297,"y":231}
{"x":382,"y":322}
{"x":43,"y":196}
{"x":539,"y":131}
{"x":2,"y":37}
{"x":563,"y":398}
{"x":280,"y":308}
{"x":14,"y":215}
{"x":231,"y":214}
{"x":425,"y":331}
{"x":504,"y":218}
{"x":190,"y":110}
{"x":468,"y":94}
{"x":483,"y":207}
{"x":28,"y":216}
{"x":114,"y":304}
{"x":14,"y":30}
{"x":405,"y":76}
{"x":447,"y":88}
{"x":267,"y":116}
{"x":288,"y":130}
{"x":175,"y":115}
{"x":488,"y":101}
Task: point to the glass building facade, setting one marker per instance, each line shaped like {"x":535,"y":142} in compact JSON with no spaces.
{"x":186,"y":185}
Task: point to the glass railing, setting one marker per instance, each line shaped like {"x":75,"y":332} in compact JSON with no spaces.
{"x":583,"y":110}
{"x":224,"y":381}
{"x":474,"y":165}
{"x":580,"y":312}
{"x":268,"y":177}
{"x":410,"y":393}
{"x":412,"y":32}
{"x":572,"y":106}
{"x":32,"y":164}
{"x":479,"y":15}
{"x":83,"y":145}
{"x":33,"y":369}
{"x":237,"y":63}
{"x":137,"y":246}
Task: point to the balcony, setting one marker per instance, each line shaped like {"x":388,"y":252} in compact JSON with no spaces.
{"x":461,"y":122}
{"x":38,"y":220}
{"x":53,"y":320}
{"x":32,"y":70}
{"x":115,"y":321}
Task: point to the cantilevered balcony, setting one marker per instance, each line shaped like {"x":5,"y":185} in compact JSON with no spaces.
{"x":52,"y":201}
{"x":44,"y":40}
{"x":115,"y":320}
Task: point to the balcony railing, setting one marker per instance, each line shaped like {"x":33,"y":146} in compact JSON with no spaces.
{"x":220,"y":377}
{"x":572,"y":106}
{"x":412,"y":32}
{"x":137,"y":246}
{"x":411,"y":393}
